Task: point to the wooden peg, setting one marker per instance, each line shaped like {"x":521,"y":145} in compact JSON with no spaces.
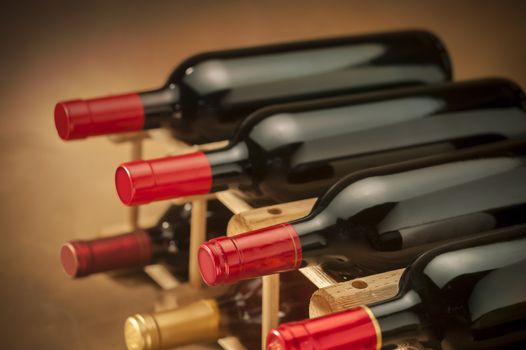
{"x":233,"y":202}
{"x":197,"y":236}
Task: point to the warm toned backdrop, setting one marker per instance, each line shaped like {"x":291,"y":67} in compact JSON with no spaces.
{"x":52,"y":191}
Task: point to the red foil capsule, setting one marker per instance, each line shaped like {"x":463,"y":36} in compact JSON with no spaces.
{"x":257,"y":253}
{"x":143,"y":181}
{"x":77,"y":119}
{"x":354,"y":329}
{"x":82,"y":258}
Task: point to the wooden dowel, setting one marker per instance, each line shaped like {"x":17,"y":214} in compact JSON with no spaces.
{"x":270,"y":306}
{"x":133,"y":217}
{"x":197,"y":236}
{"x":136,"y":154}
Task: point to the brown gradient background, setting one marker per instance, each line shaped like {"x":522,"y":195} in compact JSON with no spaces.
{"x":52,"y":191}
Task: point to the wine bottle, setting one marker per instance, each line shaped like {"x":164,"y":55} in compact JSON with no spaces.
{"x":379,"y":220}
{"x":468,"y":295}
{"x":237,"y":312}
{"x":295,"y":151}
{"x":168,"y":241}
{"x":208,"y":94}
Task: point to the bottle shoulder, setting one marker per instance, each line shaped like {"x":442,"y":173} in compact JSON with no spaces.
{"x":486,"y":251}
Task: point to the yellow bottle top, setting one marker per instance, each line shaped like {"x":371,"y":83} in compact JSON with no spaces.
{"x":196,"y":322}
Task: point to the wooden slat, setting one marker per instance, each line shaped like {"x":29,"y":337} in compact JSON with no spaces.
{"x":160,"y":274}
{"x":231,"y":343}
{"x":197,"y":236}
{"x":317,"y":276}
{"x":233,"y":202}
{"x":267,"y":216}
{"x":270,"y":304}
{"x":136,"y":154}
{"x":183,"y":200}
{"x":345,"y":295}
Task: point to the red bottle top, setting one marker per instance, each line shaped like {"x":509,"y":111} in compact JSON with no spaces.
{"x":82,"y":258}
{"x":77,"y":119}
{"x":269,"y":250}
{"x":143,"y":181}
{"x":354,"y":329}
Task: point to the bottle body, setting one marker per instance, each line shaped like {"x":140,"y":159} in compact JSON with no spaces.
{"x":233,"y":84}
{"x":297,"y":151}
{"x":166,"y":242}
{"x":380,"y":220}
{"x":317,"y":146}
{"x":208,"y":94}
{"x":236,"y":313}
{"x":466,"y":295}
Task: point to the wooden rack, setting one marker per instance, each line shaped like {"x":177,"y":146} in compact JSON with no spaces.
{"x":330,"y":297}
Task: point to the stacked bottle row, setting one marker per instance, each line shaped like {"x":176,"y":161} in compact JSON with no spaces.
{"x":408,"y":168}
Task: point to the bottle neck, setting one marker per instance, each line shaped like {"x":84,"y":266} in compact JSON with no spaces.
{"x":144,"y":181}
{"x":229,"y":167}
{"x":130,"y":112}
{"x":161,"y":106}
{"x":400,"y":319}
{"x":83,"y":258}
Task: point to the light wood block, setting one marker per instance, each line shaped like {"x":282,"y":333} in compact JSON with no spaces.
{"x":266,"y":216}
{"x":345,"y":295}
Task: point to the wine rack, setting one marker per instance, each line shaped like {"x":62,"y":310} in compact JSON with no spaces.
{"x":330,"y":297}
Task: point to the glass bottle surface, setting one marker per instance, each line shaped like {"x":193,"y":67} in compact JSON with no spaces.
{"x":467,"y":295}
{"x":166,"y":242}
{"x":208,"y":94}
{"x":381,"y":219}
{"x":298,"y":151}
